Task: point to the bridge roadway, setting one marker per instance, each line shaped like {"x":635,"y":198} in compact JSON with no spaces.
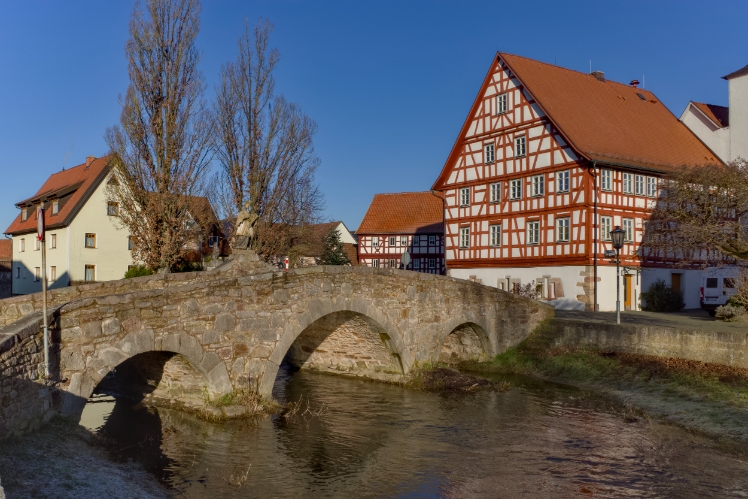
{"x":208,"y":334}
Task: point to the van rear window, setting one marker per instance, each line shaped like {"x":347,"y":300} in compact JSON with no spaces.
{"x":729,"y":282}
{"x":712,"y":282}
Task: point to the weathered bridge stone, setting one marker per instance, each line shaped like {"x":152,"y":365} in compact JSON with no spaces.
{"x":234,"y":330}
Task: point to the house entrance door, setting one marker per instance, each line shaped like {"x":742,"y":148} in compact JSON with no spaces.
{"x":627,"y":292}
{"x":675,"y":281}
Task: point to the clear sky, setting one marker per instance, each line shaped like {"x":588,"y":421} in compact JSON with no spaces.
{"x":388,"y":82}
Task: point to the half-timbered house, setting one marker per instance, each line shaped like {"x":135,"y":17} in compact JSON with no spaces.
{"x":548,"y":161}
{"x":394,"y":224}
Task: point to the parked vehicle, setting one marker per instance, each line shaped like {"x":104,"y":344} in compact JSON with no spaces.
{"x":717,"y":286}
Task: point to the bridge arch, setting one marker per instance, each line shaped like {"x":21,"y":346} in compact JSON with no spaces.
{"x":134,"y":345}
{"x":463,"y":339}
{"x":318,"y":310}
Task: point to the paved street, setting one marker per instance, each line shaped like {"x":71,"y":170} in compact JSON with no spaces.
{"x":687,"y":319}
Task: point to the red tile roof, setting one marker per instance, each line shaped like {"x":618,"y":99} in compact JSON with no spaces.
{"x":720,"y":115}
{"x":604,"y":121}
{"x":740,"y":72}
{"x":81,"y":180}
{"x":404,"y":213}
{"x":6,"y":249}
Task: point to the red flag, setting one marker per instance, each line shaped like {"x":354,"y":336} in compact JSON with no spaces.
{"x":40,"y":223}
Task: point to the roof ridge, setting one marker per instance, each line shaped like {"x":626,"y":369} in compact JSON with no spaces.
{"x":405,"y":192}
{"x":576,"y":71}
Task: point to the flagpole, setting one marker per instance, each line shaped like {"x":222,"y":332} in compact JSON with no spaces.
{"x":42,"y":240}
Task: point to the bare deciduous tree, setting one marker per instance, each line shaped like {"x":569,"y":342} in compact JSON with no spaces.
{"x":265,"y":148}
{"x":161,"y":144}
{"x":701,"y":216}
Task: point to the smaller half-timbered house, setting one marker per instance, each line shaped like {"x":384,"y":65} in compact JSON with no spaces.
{"x":394,"y":224}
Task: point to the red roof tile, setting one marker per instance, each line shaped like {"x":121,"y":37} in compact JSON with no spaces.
{"x":404,"y":213}
{"x":81,"y":180}
{"x":720,"y":115}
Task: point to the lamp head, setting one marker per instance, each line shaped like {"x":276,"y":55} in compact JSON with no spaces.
{"x":616,"y":236}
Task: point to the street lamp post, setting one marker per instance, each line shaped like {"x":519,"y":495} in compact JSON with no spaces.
{"x":616,"y":235}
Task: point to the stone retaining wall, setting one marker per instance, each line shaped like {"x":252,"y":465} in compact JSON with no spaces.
{"x":726,"y":348}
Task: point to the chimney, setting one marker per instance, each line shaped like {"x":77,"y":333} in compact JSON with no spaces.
{"x":89,"y":160}
{"x":599,"y":75}
{"x":634,"y":83}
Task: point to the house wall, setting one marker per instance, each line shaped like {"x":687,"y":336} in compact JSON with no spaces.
{"x":384,"y":252}
{"x":345,"y":235}
{"x":717,"y":139}
{"x":738,"y":94}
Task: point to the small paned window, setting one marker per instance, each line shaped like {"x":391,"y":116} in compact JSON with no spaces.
{"x":562,"y":181}
{"x":533,"y":233}
{"x":515,"y":189}
{"x":628,"y":183}
{"x":129,"y":242}
{"x":639,"y":185}
{"x":416,"y":241}
{"x":465,"y":196}
{"x":606,"y":225}
{"x":37,"y":273}
{"x":90,"y":274}
{"x":24,"y":214}
{"x":55,"y":207}
{"x":562,"y":230}
{"x":432,"y":263}
{"x":488,"y":153}
{"x":520,"y":146}
{"x":112,"y":209}
{"x":464,"y":237}
{"x":52,"y":241}
{"x":22,"y":245}
{"x":53,"y":273}
{"x":37,"y":244}
{"x":538,"y":185}
{"x":393,"y":263}
{"x":652,"y":186}
{"x":90,"y":240}
{"x":416,"y":264}
{"x":606,"y":180}
{"x":375,"y":242}
{"x":375,"y":263}
{"x":495,"y":235}
{"x":432,"y":240}
{"x":18,"y":272}
{"x":403,"y":240}
{"x":628,"y":226}
{"x":501,"y":103}
{"x":393,"y":241}
{"x":494,"y":193}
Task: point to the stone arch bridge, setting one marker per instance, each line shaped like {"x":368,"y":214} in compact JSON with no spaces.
{"x":223,"y":332}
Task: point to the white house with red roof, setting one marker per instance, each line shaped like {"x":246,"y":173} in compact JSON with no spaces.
{"x":547,"y":162}
{"x":723,"y":129}
{"x":394,"y":224}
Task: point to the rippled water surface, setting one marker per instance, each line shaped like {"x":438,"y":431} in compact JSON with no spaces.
{"x":377,"y":440}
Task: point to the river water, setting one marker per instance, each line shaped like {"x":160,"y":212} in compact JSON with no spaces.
{"x":368,"y":439}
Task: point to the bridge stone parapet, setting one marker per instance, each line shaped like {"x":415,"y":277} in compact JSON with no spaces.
{"x":233,"y":329}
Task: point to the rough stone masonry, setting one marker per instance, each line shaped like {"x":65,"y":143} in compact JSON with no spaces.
{"x":232,"y":330}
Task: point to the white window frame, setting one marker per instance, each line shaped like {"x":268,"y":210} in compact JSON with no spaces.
{"x":393,"y":241}
{"x":502,"y":103}
{"x":639,"y":185}
{"x":606,"y":225}
{"x":563,"y":181}
{"x":628,"y":226}
{"x":606,"y":180}
{"x":55,"y":206}
{"x":464,"y":237}
{"x":403,"y":240}
{"x":538,"y":185}
{"x":489,"y":153}
{"x":628,"y":183}
{"x":85,"y":240}
{"x":22,"y":245}
{"x":563,"y":229}
{"x":495,"y":234}
{"x":416,"y":264}
{"x":85,"y":268}
{"x":24,"y":214}
{"x":515,"y":189}
{"x":37,"y":274}
{"x":52,"y":241}
{"x":375,"y":263}
{"x":494,"y":192}
{"x":520,"y":146}
{"x":533,"y":232}
{"x":375,"y":242}
{"x":465,"y":196}
{"x":652,"y":187}
{"x":112,"y":212}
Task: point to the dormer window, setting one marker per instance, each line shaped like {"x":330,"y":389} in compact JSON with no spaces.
{"x":55,"y":207}
{"x":501,"y":103}
{"x":24,"y":214}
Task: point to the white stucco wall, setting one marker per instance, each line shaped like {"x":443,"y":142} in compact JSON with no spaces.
{"x":345,"y":235}
{"x":738,"y":94}
{"x":717,"y":139}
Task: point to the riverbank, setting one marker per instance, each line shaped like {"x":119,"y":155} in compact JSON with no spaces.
{"x":63,"y":460}
{"x":707,"y":398}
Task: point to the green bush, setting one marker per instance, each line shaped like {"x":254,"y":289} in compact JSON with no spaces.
{"x":137,"y":271}
{"x":662,"y":298}
{"x":731,"y":313}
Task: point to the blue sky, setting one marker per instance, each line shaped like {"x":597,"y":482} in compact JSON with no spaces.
{"x":389,"y":83}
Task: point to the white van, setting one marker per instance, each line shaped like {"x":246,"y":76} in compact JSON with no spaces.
{"x":717,"y":286}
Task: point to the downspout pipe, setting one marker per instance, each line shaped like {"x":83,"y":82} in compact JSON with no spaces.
{"x":595,"y":234}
